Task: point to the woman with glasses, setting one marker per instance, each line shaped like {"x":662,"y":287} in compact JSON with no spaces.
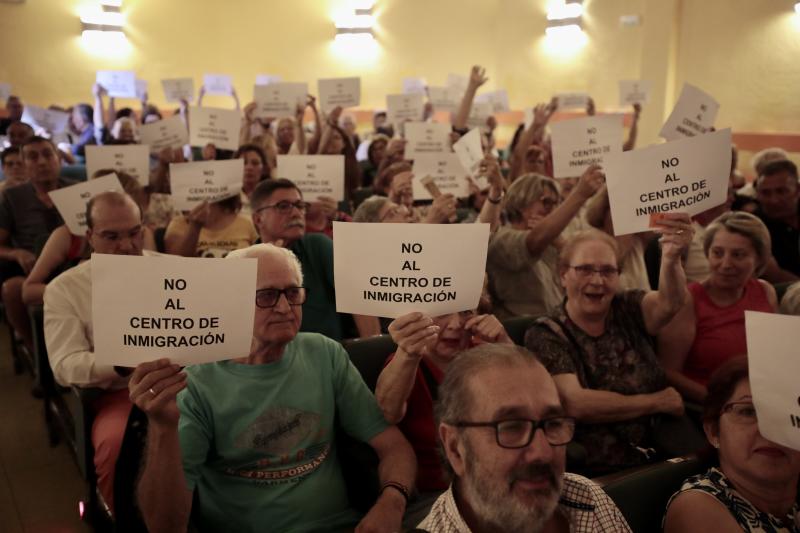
{"x":754,"y":488}
{"x":710,"y":327}
{"x":598,"y":345}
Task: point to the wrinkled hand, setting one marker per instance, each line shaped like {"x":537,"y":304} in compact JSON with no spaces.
{"x":25,"y":259}
{"x":670,"y":402}
{"x":477,"y":77}
{"x":590,"y":182}
{"x":676,"y":234}
{"x":414,"y":333}
{"x":488,"y":328}
{"x":442,"y":210}
{"x":153,"y":387}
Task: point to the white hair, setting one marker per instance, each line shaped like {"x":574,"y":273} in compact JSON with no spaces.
{"x":269,"y":250}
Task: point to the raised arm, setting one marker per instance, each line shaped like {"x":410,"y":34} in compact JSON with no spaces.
{"x":200,"y":94}
{"x":631,"y":142}
{"x":235,"y":98}
{"x":98,"y":111}
{"x":534,"y":134}
{"x":330,"y":125}
{"x":493,"y":206}
{"x":313,"y":143}
{"x":477,"y":77}
{"x":299,"y":133}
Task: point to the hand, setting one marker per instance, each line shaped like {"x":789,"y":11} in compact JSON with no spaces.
{"x":488,"y":328}
{"x":414,"y":333}
{"x":670,"y":402}
{"x":199,"y":215}
{"x":442,"y":210}
{"x":477,"y":77}
{"x":311,"y":101}
{"x":676,"y":234}
{"x":334,"y":115}
{"x":386,"y":515}
{"x":637,"y":110}
{"x":249,"y":112}
{"x":98,"y":90}
{"x":590,"y":110}
{"x":427,"y":111}
{"x":327,"y":205}
{"x":153,"y":387}
{"x":590,"y":182}
{"x":25,"y":259}
{"x":543,"y":112}
{"x":490,"y":167}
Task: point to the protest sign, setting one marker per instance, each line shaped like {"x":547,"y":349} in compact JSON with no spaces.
{"x":178,"y":89}
{"x":404,"y":108}
{"x":49,"y":120}
{"x":192,"y":310}
{"x":71,"y":201}
{"x":217,"y":126}
{"x":314,"y":175}
{"x":167,"y":133}
{"x":478,"y":113}
{"x":132,"y":159}
{"x":446,"y":170}
{"x":117,"y":83}
{"x":218,"y":84}
{"x":497,"y":100}
{"x":694,"y":114}
{"x":141,"y":90}
{"x":572,"y":100}
{"x":5,"y":91}
{"x":343,"y":92}
{"x":414,"y":85}
{"x":443,"y":99}
{"x":772,"y":342}
{"x":582,"y":142}
{"x":634,"y":92}
{"x":458,"y":83}
{"x":278,"y":100}
{"x":266,"y":79}
{"x":433,"y":268}
{"x":204,"y":181}
{"x":685,"y":176}
{"x":469,"y":150}
{"x":426,"y":138}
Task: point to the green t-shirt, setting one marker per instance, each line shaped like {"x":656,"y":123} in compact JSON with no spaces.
{"x":315,"y":253}
{"x":258,"y":440}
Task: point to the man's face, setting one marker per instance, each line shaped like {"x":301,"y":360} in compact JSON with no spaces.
{"x":19,"y":133}
{"x":278,"y":218}
{"x":117,"y":228}
{"x":41,"y":162}
{"x":14,"y":108}
{"x":511,"y":489}
{"x":777,"y":194}
{"x":286,"y":132}
{"x":13,"y":168}
{"x":278,"y":324}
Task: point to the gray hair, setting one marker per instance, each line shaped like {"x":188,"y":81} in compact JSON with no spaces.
{"x":746,"y":225}
{"x":369,"y":210}
{"x":257,"y":251}
{"x":525,"y":190}
{"x":765,"y":156}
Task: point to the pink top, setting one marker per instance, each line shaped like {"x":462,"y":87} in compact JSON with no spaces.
{"x":720,"y":333}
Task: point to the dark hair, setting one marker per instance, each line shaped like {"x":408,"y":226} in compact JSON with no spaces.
{"x":721,"y":386}
{"x":37,"y":139}
{"x":86,"y":112}
{"x":9,"y":152}
{"x":384,"y":180}
{"x":151,"y":110}
{"x":776,"y":167}
{"x":20,"y":123}
{"x":265,"y":189}
{"x":252,"y":148}
{"x":125,"y":112}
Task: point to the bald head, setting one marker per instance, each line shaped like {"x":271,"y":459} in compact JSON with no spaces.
{"x":115,"y":224}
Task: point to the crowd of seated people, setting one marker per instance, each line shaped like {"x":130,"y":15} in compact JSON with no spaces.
{"x":626,"y":335}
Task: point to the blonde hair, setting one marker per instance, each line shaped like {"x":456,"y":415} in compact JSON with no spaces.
{"x":525,"y":190}
{"x":746,"y":225}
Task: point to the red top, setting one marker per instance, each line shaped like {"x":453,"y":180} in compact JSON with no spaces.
{"x":720,"y":331}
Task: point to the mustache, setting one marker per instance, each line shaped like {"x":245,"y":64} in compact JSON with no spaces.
{"x":533,"y":471}
{"x":296,"y":223}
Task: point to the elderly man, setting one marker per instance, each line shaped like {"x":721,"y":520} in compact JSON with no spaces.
{"x":777,"y":192}
{"x":279,"y":216}
{"x":504,"y":433}
{"x":114,"y":227}
{"x":254,"y":437}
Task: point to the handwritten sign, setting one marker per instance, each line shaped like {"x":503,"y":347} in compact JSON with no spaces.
{"x":404,"y":108}
{"x":314,"y":175}
{"x":582,"y":142}
{"x":278,"y":100}
{"x":71,"y":201}
{"x":49,"y":120}
{"x":426,"y":138}
{"x":5,"y":91}
{"x":497,"y":100}
{"x":689,"y":176}
{"x":444,"y":98}
{"x":433,"y":268}
{"x":414,"y":85}
{"x":266,"y":79}
{"x":446,"y":171}
{"x":694,"y":114}
{"x":469,"y":150}
{"x":772,"y":342}
{"x":219,"y":127}
{"x":167,"y":133}
{"x":343,"y":92}
{"x":634,"y":92}
{"x":145,"y":308}
{"x":178,"y":89}
{"x":572,"y":100}
{"x":218,"y":84}
{"x":132,"y":159}
{"x":118,"y":83}
{"x":204,"y":181}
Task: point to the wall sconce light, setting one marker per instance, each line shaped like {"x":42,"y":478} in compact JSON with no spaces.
{"x":359,"y":23}
{"x":106,"y":17}
{"x":565,"y":18}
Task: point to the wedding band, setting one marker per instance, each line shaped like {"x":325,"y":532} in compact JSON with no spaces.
{"x":152,"y":391}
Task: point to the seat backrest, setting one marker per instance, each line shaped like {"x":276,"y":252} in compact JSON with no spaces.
{"x":369,"y":356}
{"x":517,"y":326}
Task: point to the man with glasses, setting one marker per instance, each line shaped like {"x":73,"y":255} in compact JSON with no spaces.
{"x":279,"y":215}
{"x":504,"y":433}
{"x":114,"y":223}
{"x":254,"y":437}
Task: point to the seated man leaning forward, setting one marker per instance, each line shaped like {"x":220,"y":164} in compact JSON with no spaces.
{"x":254,"y":437}
{"x":504,"y":433}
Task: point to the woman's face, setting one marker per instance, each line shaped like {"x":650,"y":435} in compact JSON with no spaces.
{"x":377,"y":151}
{"x":453,"y":338}
{"x":592,"y":278}
{"x":732,"y":260}
{"x":253,"y":167}
{"x":336,"y":144}
{"x":743,"y":453}
{"x":125,"y":133}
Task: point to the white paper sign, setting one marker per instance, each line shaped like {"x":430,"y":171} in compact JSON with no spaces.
{"x":167,"y":133}
{"x":433,"y":268}
{"x":132,"y":159}
{"x":582,"y":142}
{"x":54,"y":122}
{"x":204,"y":181}
{"x":572,"y":100}
{"x":5,"y":91}
{"x":447,"y":172}
{"x":444,"y":98}
{"x":772,"y":342}
{"x":404,"y":108}
{"x":266,"y":79}
{"x":278,"y":100}
{"x":469,"y":150}
{"x":314,"y":175}
{"x":478,"y":114}
{"x":118,"y":83}
{"x":694,"y":114}
{"x":689,"y":176}
{"x":71,"y":201}
{"x":414,"y":85}
{"x":344,"y":92}
{"x":426,"y":138}
{"x":219,"y":127}
{"x":634,"y":92}
{"x":498,"y":100}
{"x":178,"y":89}
{"x":458,"y":83}
{"x":141,"y":89}
{"x":219,"y":84}
{"x":192,"y":310}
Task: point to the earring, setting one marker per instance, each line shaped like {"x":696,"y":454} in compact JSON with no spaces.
{"x":715,"y":444}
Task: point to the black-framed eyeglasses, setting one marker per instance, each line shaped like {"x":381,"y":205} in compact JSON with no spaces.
{"x":586,"y":271}
{"x":284,"y":207}
{"x":266,"y":298}
{"x":519,"y":432}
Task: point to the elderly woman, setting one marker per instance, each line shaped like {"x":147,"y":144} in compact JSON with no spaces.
{"x":381,"y":209}
{"x":709,"y":329}
{"x":598,"y":346}
{"x":754,"y":489}
{"x":523,"y":256}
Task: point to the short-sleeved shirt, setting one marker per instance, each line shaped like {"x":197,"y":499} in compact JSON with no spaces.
{"x":29,"y":221}
{"x":218,"y":243}
{"x":315,"y":253}
{"x":785,"y":242}
{"x":621,"y":360}
{"x":521,"y":283}
{"x":257,"y":441}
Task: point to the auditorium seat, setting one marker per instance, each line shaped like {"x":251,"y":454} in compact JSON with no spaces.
{"x":517,"y":326}
{"x":369,"y":356}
